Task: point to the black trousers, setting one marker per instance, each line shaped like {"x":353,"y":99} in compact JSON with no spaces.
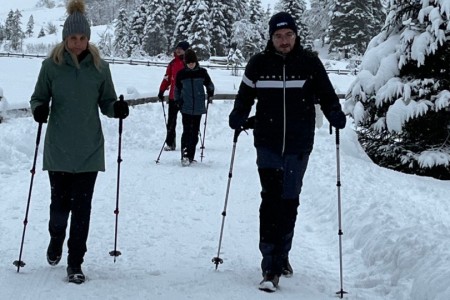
{"x":172,"y":124}
{"x":71,"y":193}
{"x":281,"y":181}
{"x":189,"y":138}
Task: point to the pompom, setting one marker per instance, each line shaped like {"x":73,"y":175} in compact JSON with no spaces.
{"x":76,"y":6}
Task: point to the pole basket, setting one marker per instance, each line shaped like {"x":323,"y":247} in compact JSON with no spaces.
{"x":19,"y":263}
{"x":341,"y":293}
{"x":115,"y":253}
{"x":217,"y":261}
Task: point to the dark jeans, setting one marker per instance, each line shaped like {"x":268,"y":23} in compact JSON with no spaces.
{"x":172,"y":124}
{"x":281,"y":182}
{"x":71,"y":192}
{"x":189,"y":138}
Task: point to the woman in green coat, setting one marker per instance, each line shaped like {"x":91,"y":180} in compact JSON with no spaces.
{"x":73,"y":83}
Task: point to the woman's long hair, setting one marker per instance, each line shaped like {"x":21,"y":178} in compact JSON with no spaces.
{"x":57,"y":54}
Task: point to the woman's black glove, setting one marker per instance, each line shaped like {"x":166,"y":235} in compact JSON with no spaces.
{"x":40,"y":113}
{"x":121,"y":109}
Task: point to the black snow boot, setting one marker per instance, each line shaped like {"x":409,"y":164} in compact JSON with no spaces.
{"x":54,"y":251}
{"x":75,"y":274}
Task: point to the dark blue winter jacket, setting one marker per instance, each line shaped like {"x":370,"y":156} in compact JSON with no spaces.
{"x":287,"y":87}
{"x":190,"y":92}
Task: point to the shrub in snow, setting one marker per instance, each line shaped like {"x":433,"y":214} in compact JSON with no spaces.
{"x":400,"y":100}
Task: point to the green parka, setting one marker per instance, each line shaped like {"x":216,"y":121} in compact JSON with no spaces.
{"x":74,"y":139}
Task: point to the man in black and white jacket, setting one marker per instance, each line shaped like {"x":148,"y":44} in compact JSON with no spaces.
{"x":288,"y":81}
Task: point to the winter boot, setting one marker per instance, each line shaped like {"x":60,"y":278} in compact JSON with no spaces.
{"x":54,"y":251}
{"x":170,"y":147}
{"x":75,"y":274}
{"x":185,"y":161}
{"x":287,"y":270}
{"x":269,"y":283}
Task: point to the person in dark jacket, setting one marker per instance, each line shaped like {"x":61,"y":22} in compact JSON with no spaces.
{"x":287,"y":80}
{"x":190,"y":98}
{"x":73,"y":83}
{"x":168,"y":82}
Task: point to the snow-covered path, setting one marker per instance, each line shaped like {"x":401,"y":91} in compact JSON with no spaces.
{"x":169,"y":223}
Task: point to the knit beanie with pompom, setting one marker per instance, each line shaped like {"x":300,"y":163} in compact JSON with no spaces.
{"x":76,"y":22}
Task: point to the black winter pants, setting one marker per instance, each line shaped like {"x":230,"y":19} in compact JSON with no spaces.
{"x":172,"y":124}
{"x":281,"y":180}
{"x":189,"y":138}
{"x":71,"y":193}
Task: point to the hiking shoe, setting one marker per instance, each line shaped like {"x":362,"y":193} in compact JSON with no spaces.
{"x":75,"y":274}
{"x":54,"y":252}
{"x":269,"y":283}
{"x":287,"y":270}
{"x":169,"y":148}
{"x":185,"y":161}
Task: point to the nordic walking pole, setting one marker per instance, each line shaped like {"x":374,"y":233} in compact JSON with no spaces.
{"x":204,"y":132}
{"x":340,"y":232}
{"x":19,"y":263}
{"x":162,"y":148}
{"x":115,"y":252}
{"x":165,"y":121}
{"x":217,"y":260}
{"x":164,"y":111}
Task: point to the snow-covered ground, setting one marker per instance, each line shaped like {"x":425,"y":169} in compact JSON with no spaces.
{"x":396,"y":226}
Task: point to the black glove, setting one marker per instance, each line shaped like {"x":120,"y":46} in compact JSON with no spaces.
{"x":337,"y":119}
{"x":178,"y":104}
{"x":161,"y":96}
{"x":121,"y":110}
{"x":40,"y":113}
{"x":249,"y":123}
{"x":236,"y":121}
{"x":210,"y":99}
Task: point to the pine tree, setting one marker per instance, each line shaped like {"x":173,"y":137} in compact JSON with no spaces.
{"x":9,"y":24}
{"x":170,"y":8}
{"x":106,"y":43}
{"x":183,"y":21}
{"x":400,"y":100}
{"x":318,"y":17}
{"x":121,"y":34}
{"x":219,"y":38}
{"x":17,"y":34}
{"x":258,"y":18}
{"x":137,"y":33}
{"x":41,"y":32}
{"x":2,"y":33}
{"x":30,"y":26}
{"x":297,"y":8}
{"x":233,"y":11}
{"x":352,"y":25}
{"x":155,"y":41}
{"x":199,"y":28}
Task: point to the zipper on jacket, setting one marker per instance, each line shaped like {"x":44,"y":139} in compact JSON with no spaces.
{"x":193,"y":96}
{"x":284,"y":106}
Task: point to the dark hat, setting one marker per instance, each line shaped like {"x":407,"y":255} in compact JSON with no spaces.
{"x":76,"y":22}
{"x":281,"y":20}
{"x":190,"y":56}
{"x":183,"y":45}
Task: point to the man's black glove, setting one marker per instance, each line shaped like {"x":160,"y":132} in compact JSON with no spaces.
{"x":236,"y":121}
{"x":40,"y":113}
{"x":249,"y":123}
{"x":121,"y":110}
{"x":161,"y":96}
{"x":337,"y":119}
{"x":210,"y":99}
